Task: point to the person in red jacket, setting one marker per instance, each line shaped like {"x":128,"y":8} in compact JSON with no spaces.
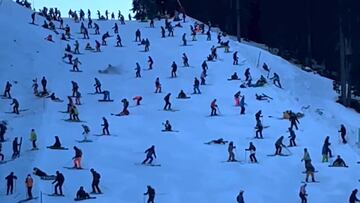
{"x":29,"y":184}
{"x":137,"y":99}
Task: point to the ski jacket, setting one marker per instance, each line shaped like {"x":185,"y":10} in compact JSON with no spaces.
{"x":33,"y":136}
{"x":29,"y":181}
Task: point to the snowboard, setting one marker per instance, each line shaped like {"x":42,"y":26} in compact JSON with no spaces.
{"x":101,"y":100}
{"x":338,"y":166}
{"x":310,"y":182}
{"x":232,"y":79}
{"x":236,"y":161}
{"x":78,"y":71}
{"x":28,"y":199}
{"x":304,"y":172}
{"x":52,"y":177}
{"x":76,"y":199}
{"x":170,"y":131}
{"x":74,"y":168}
{"x":61,"y":148}
{"x":278,"y":155}
{"x":83,"y":141}
{"x":74,"y":121}
{"x":170,"y":110}
{"x":94,"y":93}
{"x":54,"y":195}
{"x":140,"y":164}
{"x":21,"y":110}
{"x":183,"y":97}
{"x":118,"y":114}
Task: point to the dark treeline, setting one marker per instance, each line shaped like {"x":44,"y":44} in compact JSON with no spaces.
{"x":300,"y":29}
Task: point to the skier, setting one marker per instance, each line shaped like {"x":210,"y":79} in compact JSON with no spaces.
{"x":85,"y":33}
{"x":69,"y":57}
{"x":76,"y":65}
{"x":138,"y":68}
{"x":259,"y":128}
{"x":342,"y":132}
{"x":33,"y":18}
{"x":59,"y":180}
{"x":184,"y":39}
{"x":97,"y":86}
{"x":193,"y":34}
{"x":7,"y":90}
{"x":167,"y":102}
{"x":204,"y":67}
{"x":125,"y":110}
{"x":147,"y":45}
{"x":3,"y":129}
{"x":43,"y":84}
{"x":157,"y":85}
{"x":292,"y":138}
{"x":173,"y":69}
{"x":81,"y":194}
{"x":202,"y":78}
{"x":77,"y":158}
{"x":235,"y":58}
{"x":33,"y":138}
{"x":306,"y":158}
{"x":15,"y":147}
{"x":137,"y":35}
{"x":303,"y":194}
{"x":231,"y":148}
{"x":326,"y":151}
{"x":86,"y":131}
{"x":74,"y":114}
{"x":35,"y":87}
{"x":75,"y":88}
{"x":252,"y":150}
{"x":97,"y":29}
{"x":213,"y":107}
{"x":167,"y":126}
{"x":162,"y":32}
{"x":339,"y":162}
{"x":242,"y":105}
{"x":219,"y":37}
{"x":97,"y":46}
{"x":77,"y":98}
{"x":170,"y":30}
{"x":1,"y":154}
{"x":151,"y":194}
{"x":118,"y":41}
{"x":196,"y":86}
{"x":185,"y":60}
{"x":309,"y":171}
{"x":276,"y":80}
{"x":150,"y":62}
{"x":29,"y":184}
{"x":95,"y":182}
{"x":149,"y":155}
{"x":137,"y":99}
{"x":105,"y":127}
{"x":10,"y":183}
{"x":266,"y":68}
{"x":208,"y":35}
{"x":279,"y":145}
{"x":293,"y":120}
{"x":240,"y":197}
{"x":237,"y":98}
{"x":213,"y":52}
{"x":353,"y":197}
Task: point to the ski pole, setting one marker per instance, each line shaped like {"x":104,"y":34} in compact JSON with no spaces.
{"x":288,"y":150}
{"x":219,"y":110}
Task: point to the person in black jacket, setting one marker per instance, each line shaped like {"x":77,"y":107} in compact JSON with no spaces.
{"x":105,"y":127}
{"x":252,"y":150}
{"x":77,"y":158}
{"x":196,"y":86}
{"x":81,"y":194}
{"x":292,"y":138}
{"x":231,"y":148}
{"x":16,"y":106}
{"x":353,"y":197}
{"x":173,"y":69}
{"x":39,"y":172}
{"x":59,"y":180}
{"x":3,"y":129}
{"x":15,"y":147}
{"x":293,"y":120}
{"x":1,"y":154}
{"x":10,"y":183}
{"x":95,"y":181}
{"x":342,"y":132}
{"x":151,"y":193}
{"x":167,"y":102}
{"x":43,"y":84}
{"x":149,"y":155}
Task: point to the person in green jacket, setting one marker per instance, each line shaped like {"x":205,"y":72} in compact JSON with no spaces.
{"x":33,"y":138}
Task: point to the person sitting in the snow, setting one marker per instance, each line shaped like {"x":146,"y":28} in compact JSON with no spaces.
{"x":88,"y":47}
{"x":49,"y":38}
{"x":218,"y":141}
{"x":261,"y":82}
{"x":54,"y":98}
{"x":167,"y":126}
{"x":262,"y":97}
{"x":81,"y":194}
{"x":234,"y":76}
{"x":182,"y":95}
{"x":339,"y":162}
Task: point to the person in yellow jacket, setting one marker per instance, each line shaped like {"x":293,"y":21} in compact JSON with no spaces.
{"x":29,"y":184}
{"x":33,"y":138}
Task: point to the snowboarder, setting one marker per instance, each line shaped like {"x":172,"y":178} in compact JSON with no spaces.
{"x":149,"y":155}
{"x":125,"y":110}
{"x":234,"y":76}
{"x":118,"y":41}
{"x":76,"y":65}
{"x":196,"y":86}
{"x":74,"y":114}
{"x":59,"y":180}
{"x":306,"y":158}
{"x":35,"y":87}
{"x":182,"y":95}
{"x":10,"y":183}
{"x":77,"y":98}
{"x":57,"y":144}
{"x":137,"y":99}
{"x":263,"y":97}
{"x":157,"y":85}
{"x":76,"y":49}
{"x":33,"y":138}
{"x":81,"y":194}
{"x":266,"y":68}
{"x":33,"y":18}
{"x":252,"y":150}
{"x":97,"y":46}
{"x":279,"y":145}
{"x":184,"y":39}
{"x":235,"y":58}
{"x":242,"y":105}
{"x":237,"y":98}
{"x":167,"y":102}
{"x":293,"y":120}
{"x":105,"y":127}
{"x":1,"y":154}
{"x":97,"y":29}
{"x":115,"y":28}
{"x":138,"y":69}
{"x":15,"y":104}
{"x":202,"y":78}
{"x":185,"y":60}
{"x":40,"y":173}
{"x":151,"y":194}
{"x":69,"y":57}
{"x":97,"y":86}
{"x":86,"y":131}
{"x":15,"y":148}
{"x":3,"y":129}
{"x":310,"y":170}
{"x":303,"y":194}
{"x":208,"y":35}
{"x":339,"y":162}
{"x":104,"y":37}
{"x":353,"y":197}
{"x":342,"y":132}
{"x":247,"y":74}
{"x":29,"y":184}
{"x":95,"y":181}
{"x":276,"y":80}
{"x":292,"y":138}
{"x":162,"y":32}
{"x":7,"y":90}
{"x":170,"y":30}
{"x":326,"y":151}
{"x":106,"y":94}
{"x":173,"y":69}
{"x":167,"y":126}
{"x":231,"y":148}
{"x":75,"y":88}
{"x":77,"y":158}
{"x":150,"y":62}
{"x":240,"y":197}
{"x":259,"y":128}
{"x":147,"y":45}
{"x":213,"y":107}
{"x":137,"y":35}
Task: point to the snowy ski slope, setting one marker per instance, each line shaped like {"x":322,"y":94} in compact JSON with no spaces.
{"x":190,"y":171}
